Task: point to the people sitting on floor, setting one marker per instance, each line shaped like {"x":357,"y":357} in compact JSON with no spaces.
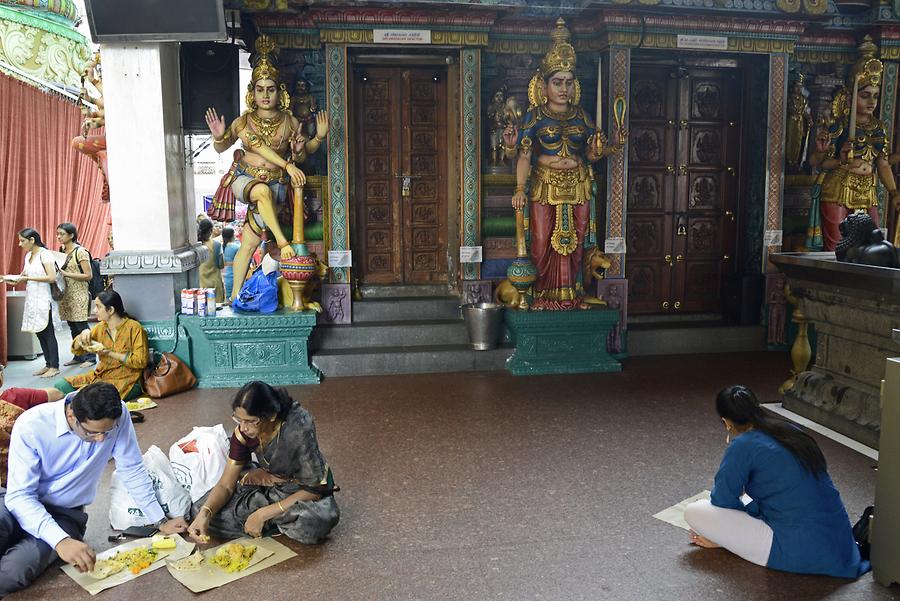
{"x":795,"y":520}
{"x":291,"y":489}
{"x":58,"y":454}
{"x":119,"y":341}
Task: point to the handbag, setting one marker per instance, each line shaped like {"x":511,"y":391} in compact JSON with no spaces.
{"x":259,"y":294}
{"x":169,"y":376}
{"x":58,"y":288}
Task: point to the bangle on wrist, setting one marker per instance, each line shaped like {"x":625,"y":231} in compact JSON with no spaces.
{"x":209,"y":511}
{"x":318,"y":139}
{"x":281,"y":507}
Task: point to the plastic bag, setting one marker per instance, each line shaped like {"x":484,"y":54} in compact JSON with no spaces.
{"x":259,"y":294}
{"x":199,"y":459}
{"x":174,"y":499}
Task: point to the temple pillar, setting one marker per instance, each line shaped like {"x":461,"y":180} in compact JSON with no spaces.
{"x":151,"y":188}
{"x":617,"y":84}
{"x":470,"y":149}
{"x":774,"y":195}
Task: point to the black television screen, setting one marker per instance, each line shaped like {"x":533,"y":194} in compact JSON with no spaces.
{"x":155,"y":20}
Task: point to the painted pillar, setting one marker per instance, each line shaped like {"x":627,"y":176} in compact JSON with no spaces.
{"x":617,"y":84}
{"x":778,"y":88}
{"x":888,"y":117}
{"x":151,"y":186}
{"x":470,"y":147}
{"x":338,"y":224}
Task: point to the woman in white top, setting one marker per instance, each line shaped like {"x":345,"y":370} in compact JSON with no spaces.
{"x":39,"y":271}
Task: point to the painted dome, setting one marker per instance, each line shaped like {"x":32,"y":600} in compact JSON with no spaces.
{"x":38,"y":37}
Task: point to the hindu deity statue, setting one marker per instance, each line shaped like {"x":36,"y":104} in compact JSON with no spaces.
{"x":503,"y":112}
{"x":799,"y":124}
{"x":556,"y":145}
{"x":304,"y":107}
{"x":852,"y":148}
{"x":264,"y":173}
{"x":93,"y":145}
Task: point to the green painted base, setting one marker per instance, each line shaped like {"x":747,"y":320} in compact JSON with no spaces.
{"x":561,"y":342}
{"x":230,"y":350}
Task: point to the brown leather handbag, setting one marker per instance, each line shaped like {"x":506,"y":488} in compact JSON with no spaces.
{"x":169,"y":376}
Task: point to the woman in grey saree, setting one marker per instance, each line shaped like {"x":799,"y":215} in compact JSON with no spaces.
{"x":291,"y":489}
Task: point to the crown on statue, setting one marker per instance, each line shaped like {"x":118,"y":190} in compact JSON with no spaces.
{"x":561,"y":56}
{"x":264,"y":66}
{"x":867,"y":67}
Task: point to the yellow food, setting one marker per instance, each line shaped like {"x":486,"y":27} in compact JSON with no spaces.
{"x":138,"y":559}
{"x":161,"y":541}
{"x":233,"y":557}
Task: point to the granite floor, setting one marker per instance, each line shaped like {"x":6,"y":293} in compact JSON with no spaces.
{"x":484,"y":486}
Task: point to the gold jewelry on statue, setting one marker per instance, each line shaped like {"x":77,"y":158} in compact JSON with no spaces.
{"x":225,"y":137}
{"x":267,"y":127}
{"x":520,"y":188}
{"x":264,"y":68}
{"x":281,"y":507}
{"x":263,"y":174}
{"x":561,"y":56}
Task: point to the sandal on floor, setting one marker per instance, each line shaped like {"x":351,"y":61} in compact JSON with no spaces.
{"x":41,"y":371}
{"x":87,"y":364}
{"x":137,"y":417}
{"x":71,"y":362}
{"x":50,"y":373}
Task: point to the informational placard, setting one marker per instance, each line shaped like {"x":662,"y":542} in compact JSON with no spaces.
{"x":614,"y":246}
{"x":402,"y":36}
{"x":772,"y":238}
{"x":703,"y":42}
{"x":470,"y":254}
{"x":340,"y":258}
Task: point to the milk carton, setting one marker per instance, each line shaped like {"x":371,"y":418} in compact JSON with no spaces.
{"x":188,"y":301}
{"x":200,"y":301}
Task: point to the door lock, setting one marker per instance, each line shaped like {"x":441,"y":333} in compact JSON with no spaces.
{"x":405,"y":186}
{"x":682,"y":170}
{"x":668,"y":260}
{"x":681,"y":225}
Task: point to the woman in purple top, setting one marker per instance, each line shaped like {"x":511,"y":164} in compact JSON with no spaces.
{"x":794,"y":519}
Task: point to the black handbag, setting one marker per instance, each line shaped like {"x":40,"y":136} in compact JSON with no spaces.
{"x":58,"y":288}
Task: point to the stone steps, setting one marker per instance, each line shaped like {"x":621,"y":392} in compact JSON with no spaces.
{"x":659,"y":340}
{"x":405,"y":309}
{"x":408,"y":360}
{"x":403,"y":333}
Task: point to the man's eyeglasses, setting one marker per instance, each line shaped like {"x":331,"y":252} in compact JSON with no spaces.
{"x":245,"y":422}
{"x":92,"y":434}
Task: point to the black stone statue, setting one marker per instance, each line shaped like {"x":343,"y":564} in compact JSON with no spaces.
{"x":862,"y":242}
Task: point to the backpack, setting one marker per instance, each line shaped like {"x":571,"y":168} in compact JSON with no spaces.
{"x":96,"y":284}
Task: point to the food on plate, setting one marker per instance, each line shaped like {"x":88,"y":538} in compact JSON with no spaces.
{"x":191,"y":562}
{"x":161,"y":541}
{"x":95,"y":347}
{"x":104,"y":568}
{"x":137,"y":560}
{"x":233,"y":557}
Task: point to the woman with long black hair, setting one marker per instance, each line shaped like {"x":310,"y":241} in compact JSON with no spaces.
{"x":38,"y":272}
{"x":794,"y":519}
{"x":74,"y":306}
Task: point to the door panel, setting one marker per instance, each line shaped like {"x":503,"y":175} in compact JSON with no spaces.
{"x":401,"y":175}
{"x":683,"y":172}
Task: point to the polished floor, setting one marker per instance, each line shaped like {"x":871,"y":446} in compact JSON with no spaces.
{"x":478,"y":486}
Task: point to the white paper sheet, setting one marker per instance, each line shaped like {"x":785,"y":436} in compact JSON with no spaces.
{"x":675,"y":514}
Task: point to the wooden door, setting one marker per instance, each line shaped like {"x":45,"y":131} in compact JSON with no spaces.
{"x":683,"y":160}
{"x":401,"y":181}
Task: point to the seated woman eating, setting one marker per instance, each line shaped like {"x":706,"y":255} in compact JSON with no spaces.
{"x":119,"y":341}
{"x":795,"y":520}
{"x":291,"y":490}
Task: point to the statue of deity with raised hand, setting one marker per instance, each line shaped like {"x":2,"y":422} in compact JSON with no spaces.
{"x":852,"y":149}
{"x":264,"y":174}
{"x":556,"y":144}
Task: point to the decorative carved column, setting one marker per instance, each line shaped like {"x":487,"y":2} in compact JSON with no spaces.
{"x":617,"y":84}
{"x":337,"y":222}
{"x":470,"y":96}
{"x":778,"y":88}
{"x":151,"y":188}
{"x":821,"y":93}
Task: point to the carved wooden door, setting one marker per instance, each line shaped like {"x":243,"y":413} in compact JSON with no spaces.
{"x":401,"y":181}
{"x":682,"y":187}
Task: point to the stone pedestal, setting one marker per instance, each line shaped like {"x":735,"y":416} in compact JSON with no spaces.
{"x":854,"y":309}
{"x":231,"y":349}
{"x":561,"y":342}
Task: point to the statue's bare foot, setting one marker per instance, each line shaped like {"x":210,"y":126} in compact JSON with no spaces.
{"x":593,"y":300}
{"x":287,"y":252}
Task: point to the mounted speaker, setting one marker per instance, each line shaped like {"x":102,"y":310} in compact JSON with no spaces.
{"x":113,"y":21}
{"x":209,"y":78}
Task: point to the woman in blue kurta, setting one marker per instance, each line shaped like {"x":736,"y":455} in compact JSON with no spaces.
{"x":794,"y":520}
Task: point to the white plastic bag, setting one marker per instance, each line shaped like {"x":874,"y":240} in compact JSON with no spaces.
{"x":174,"y":499}
{"x":199,"y":459}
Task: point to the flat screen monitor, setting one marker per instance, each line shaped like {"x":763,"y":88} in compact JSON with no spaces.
{"x":155,"y":20}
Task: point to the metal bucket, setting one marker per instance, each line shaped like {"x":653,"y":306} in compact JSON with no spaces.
{"x":483,"y":321}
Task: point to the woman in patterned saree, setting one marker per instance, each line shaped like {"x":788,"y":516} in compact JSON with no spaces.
{"x":290,"y":491}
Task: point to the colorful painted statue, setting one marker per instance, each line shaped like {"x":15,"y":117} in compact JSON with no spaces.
{"x":556,"y":145}
{"x":263,"y":174}
{"x":852,"y":148}
{"x":93,"y":145}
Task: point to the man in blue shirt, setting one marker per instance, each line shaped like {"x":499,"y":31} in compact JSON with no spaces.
{"x":57,"y":454}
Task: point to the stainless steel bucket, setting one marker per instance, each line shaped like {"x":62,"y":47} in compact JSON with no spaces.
{"x":483,"y":321}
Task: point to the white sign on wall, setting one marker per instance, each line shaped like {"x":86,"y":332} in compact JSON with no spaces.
{"x":614,"y":246}
{"x":470,"y":254}
{"x":340,"y":258}
{"x":702,"y":42}
{"x":772,"y":238}
{"x":402,"y":36}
